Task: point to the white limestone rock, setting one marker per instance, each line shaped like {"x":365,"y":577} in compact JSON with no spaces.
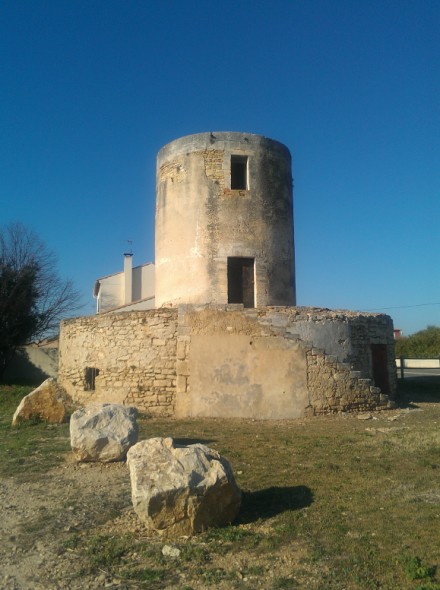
{"x":171,"y":551}
{"x":181,"y":490}
{"x":48,"y":402}
{"x":103,"y":432}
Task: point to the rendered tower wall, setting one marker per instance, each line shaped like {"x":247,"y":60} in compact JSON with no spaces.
{"x":205,"y":216}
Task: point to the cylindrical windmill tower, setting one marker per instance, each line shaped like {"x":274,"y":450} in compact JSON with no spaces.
{"x":224,"y":221}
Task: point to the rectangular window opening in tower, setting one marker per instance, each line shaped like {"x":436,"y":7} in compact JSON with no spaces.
{"x":239,"y":173}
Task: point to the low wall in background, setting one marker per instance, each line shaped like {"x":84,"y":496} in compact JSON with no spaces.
{"x":418,"y":363}
{"x":33,"y":363}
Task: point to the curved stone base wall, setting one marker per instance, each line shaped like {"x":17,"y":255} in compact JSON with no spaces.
{"x":225,"y":361}
{"x":127,"y":358}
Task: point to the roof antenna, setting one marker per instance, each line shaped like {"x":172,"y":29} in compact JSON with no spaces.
{"x":130,"y":253}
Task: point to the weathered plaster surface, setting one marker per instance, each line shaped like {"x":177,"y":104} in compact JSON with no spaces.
{"x":201,"y":221}
{"x":253,"y":363}
{"x":234,"y":375}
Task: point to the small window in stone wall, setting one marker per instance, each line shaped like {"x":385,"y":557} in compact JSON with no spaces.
{"x":90,"y":375}
{"x":239,"y":172}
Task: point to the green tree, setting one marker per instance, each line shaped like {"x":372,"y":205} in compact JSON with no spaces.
{"x":33,"y":298}
{"x":423,"y":344}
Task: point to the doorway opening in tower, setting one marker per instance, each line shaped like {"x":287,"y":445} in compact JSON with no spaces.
{"x":241,"y":281}
{"x":379,"y":359}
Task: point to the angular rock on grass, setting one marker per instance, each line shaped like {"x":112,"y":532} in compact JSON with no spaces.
{"x":179,"y":489}
{"x":49,"y":402}
{"x":103,"y":432}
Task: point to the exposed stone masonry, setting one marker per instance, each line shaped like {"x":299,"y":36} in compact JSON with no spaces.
{"x":144,"y":358}
{"x":133,"y":355}
{"x":333,"y":387}
{"x":172,"y":170}
{"x":213,"y":160}
{"x":339,"y":371}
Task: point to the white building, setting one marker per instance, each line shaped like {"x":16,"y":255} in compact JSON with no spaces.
{"x":131,"y":289}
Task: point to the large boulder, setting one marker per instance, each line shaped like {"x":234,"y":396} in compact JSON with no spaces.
{"x":103,"y":432}
{"x":49,"y":402}
{"x":181,"y":489}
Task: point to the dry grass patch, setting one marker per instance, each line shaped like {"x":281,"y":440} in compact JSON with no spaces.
{"x":328,"y":503}
{"x":31,"y":447}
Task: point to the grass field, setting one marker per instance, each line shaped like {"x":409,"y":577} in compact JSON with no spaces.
{"x":328,"y":503}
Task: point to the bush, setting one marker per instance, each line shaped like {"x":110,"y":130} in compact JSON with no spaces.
{"x":423,"y":344}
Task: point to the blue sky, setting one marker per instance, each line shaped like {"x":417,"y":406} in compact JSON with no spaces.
{"x":91,"y":90}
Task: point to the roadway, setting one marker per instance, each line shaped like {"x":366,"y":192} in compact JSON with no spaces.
{"x":420,"y":373}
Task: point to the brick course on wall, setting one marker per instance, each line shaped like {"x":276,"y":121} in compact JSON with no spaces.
{"x":133,"y":356}
{"x":144,"y":359}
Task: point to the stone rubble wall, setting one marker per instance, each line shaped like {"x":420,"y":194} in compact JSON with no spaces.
{"x":145,"y":359}
{"x":134,"y":352}
{"x":338,"y":344}
{"x":334,"y":388}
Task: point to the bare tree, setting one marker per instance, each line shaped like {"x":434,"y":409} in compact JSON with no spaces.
{"x":33,"y":297}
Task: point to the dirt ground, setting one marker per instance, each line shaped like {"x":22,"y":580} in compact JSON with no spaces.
{"x":37,"y":517}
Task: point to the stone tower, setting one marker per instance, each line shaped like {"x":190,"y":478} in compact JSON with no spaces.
{"x":224,"y":221}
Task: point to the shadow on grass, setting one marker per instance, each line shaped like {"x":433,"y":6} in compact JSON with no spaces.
{"x":414,"y":390}
{"x":272,"y":501}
